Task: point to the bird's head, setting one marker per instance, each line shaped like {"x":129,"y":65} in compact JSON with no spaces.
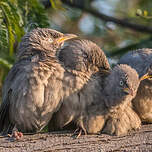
{"x":122,"y":83}
{"x":148,"y":73}
{"x":42,"y":40}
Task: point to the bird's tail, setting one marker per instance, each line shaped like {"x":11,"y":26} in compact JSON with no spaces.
{"x":5,"y":125}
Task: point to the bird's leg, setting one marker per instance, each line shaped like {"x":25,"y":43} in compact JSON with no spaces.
{"x":78,"y":132}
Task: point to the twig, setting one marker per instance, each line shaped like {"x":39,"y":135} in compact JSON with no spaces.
{"x":106,"y":18}
{"x":130,"y":47}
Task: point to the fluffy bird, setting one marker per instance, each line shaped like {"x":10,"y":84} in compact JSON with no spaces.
{"x":113,"y":113}
{"x":86,"y":61}
{"x":104,"y":101}
{"x":141,"y":60}
{"x":36,"y":84}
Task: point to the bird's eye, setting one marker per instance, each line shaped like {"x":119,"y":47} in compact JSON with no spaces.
{"x":121,"y":83}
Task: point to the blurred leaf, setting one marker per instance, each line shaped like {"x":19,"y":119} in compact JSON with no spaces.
{"x":5,"y":63}
{"x":4,"y":68}
{"x":145,"y":13}
{"x":11,"y":21}
{"x":56,"y":4}
{"x":139,"y":12}
{"x":34,"y":14}
{"x":53,"y":4}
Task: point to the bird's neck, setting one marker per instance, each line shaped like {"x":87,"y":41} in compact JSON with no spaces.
{"x":43,"y":55}
{"x":113,"y":101}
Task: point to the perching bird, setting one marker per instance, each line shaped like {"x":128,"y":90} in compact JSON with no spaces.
{"x":34,"y":87}
{"x":113,"y":113}
{"x":85,"y":60}
{"x":141,"y":60}
{"x":101,"y":99}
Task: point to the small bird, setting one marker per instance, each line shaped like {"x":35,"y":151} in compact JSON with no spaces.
{"x":104,"y":101}
{"x":85,"y":60}
{"x":33,"y":89}
{"x":141,"y":61}
{"x":113,"y":113}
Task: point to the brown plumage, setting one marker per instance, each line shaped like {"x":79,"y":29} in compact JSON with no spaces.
{"x":104,"y":102}
{"x":141,"y":60}
{"x":85,"y":60}
{"x":113,"y":113}
{"x":101,"y":102}
{"x":34,"y":87}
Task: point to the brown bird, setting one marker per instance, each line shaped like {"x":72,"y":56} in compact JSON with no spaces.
{"x":104,"y":103}
{"x":83,"y":59}
{"x":113,"y":114}
{"x":141,"y":60}
{"x":36,"y":84}
{"x":104,"y":100}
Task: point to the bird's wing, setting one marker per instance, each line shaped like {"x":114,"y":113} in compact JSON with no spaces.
{"x":5,"y":123}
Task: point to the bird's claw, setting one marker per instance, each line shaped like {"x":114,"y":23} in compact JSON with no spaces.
{"x":78,"y":132}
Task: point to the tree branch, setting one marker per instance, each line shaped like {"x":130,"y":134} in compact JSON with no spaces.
{"x":145,"y":42}
{"x":106,"y":18}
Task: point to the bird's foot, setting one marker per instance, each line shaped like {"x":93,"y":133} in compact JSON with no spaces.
{"x":16,"y":135}
{"x":78,"y":132}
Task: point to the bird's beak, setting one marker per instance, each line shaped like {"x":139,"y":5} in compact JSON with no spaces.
{"x":128,"y":91}
{"x":66,"y":37}
{"x":146,"y":76}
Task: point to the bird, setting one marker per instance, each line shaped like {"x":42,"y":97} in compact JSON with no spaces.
{"x":88,"y":108}
{"x":113,"y":113}
{"x":33,"y":89}
{"x":141,"y":61}
{"x":85,"y":59}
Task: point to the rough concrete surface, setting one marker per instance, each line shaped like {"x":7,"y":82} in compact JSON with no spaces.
{"x":140,"y":140}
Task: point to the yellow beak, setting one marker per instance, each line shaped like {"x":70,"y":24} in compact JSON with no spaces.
{"x":146,"y":76}
{"x":128,"y":91}
{"x":66,"y":37}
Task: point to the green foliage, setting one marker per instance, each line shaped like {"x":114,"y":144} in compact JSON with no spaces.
{"x":17,"y":17}
{"x":11,"y":28}
{"x":56,"y":4}
{"x":144,"y":14}
{"x":34,"y":14}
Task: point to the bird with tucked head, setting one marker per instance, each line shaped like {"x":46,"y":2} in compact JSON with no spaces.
{"x":33,"y":89}
{"x":141,"y":61}
{"x":85,"y":60}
